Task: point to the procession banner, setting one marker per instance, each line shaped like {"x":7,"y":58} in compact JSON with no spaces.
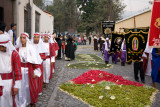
{"x":146,"y":29}
{"x":116,"y":42}
{"x":107,"y":27}
{"x":154,"y":35}
{"x":135,"y":45}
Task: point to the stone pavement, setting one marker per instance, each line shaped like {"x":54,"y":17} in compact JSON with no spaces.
{"x":53,"y":97}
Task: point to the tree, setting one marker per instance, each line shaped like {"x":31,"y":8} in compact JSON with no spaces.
{"x":87,"y":8}
{"x":38,"y":3}
{"x":65,"y":14}
{"x":95,"y":11}
{"x":84,"y":15}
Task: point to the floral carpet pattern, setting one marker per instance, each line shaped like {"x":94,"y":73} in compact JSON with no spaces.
{"x":88,"y":57}
{"x":102,"y":89}
{"x":89,"y":65}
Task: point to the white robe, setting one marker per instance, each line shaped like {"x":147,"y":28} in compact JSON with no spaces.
{"x":6,"y":100}
{"x":149,"y":67}
{"x":10,"y":33}
{"x":46,"y":66}
{"x":24,"y":92}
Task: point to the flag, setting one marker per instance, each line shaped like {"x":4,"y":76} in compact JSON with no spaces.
{"x":107,"y":27}
{"x":116,"y":42}
{"x":135,"y":45}
{"x":154,"y":36}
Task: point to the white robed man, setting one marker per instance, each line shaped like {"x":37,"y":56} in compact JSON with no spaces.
{"x":106,"y":50}
{"x":147,"y":62}
{"x":42,"y":50}
{"x":30,"y":62}
{"x":10,"y":72}
{"x":50,"y":59}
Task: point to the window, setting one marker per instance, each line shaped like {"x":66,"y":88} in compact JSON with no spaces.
{"x":25,"y":20}
{"x":1,"y":14}
{"x":37,"y":21}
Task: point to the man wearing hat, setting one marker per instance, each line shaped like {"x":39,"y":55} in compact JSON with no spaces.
{"x":10,"y":71}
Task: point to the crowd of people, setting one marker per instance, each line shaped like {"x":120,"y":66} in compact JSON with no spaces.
{"x":27,"y":65}
{"x":148,"y":65}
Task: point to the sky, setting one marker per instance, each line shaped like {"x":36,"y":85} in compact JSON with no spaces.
{"x":134,"y":6}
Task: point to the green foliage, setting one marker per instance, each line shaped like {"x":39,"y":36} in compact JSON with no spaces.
{"x":88,"y":57}
{"x":94,"y":11}
{"x":83,"y":16}
{"x":125,"y":96}
{"x":65,"y":14}
{"x":38,"y":3}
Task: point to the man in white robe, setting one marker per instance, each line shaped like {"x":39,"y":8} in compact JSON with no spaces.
{"x":50,"y":59}
{"x":10,"y":72}
{"x":30,"y":62}
{"x":147,"y":62}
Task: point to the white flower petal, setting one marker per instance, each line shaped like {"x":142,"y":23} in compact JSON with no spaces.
{"x":107,"y":88}
{"x":93,"y":80}
{"x":100,"y":97}
{"x":112,"y":97}
{"x":88,"y":83}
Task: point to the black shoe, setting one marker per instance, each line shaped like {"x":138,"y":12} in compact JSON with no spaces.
{"x":59,"y":58}
{"x":122,"y":64}
{"x":143,"y":81}
{"x":106,"y":62}
{"x":32,"y":105}
{"x":44,"y":85}
{"x":137,"y":80}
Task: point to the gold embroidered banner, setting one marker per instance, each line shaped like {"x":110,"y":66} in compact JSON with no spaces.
{"x":135,"y":45}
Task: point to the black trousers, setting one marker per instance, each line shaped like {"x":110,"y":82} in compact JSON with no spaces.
{"x":89,"y":42}
{"x":138,"y":66}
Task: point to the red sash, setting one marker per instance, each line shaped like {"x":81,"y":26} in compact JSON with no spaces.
{"x":33,"y":83}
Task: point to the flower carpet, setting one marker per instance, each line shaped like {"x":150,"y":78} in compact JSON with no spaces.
{"x":85,"y":47}
{"x":102,"y":89}
{"x":89,"y":65}
{"x":88,"y":57}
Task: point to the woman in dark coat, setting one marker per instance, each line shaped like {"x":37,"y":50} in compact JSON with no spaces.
{"x":96,"y":43}
{"x":69,"y":50}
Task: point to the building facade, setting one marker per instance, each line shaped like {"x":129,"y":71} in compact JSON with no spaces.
{"x":141,"y":20}
{"x":28,"y":17}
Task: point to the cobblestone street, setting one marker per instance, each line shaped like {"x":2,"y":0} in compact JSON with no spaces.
{"x":53,"y":97}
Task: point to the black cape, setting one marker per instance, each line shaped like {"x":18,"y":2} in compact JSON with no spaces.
{"x":70,"y":49}
{"x":59,"y":41}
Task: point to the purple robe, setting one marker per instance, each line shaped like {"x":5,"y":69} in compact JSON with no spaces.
{"x":123,"y":54}
{"x":115,"y":57}
{"x":106,"y":53}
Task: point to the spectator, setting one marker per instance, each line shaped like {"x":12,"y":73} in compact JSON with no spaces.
{"x":12,"y":34}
